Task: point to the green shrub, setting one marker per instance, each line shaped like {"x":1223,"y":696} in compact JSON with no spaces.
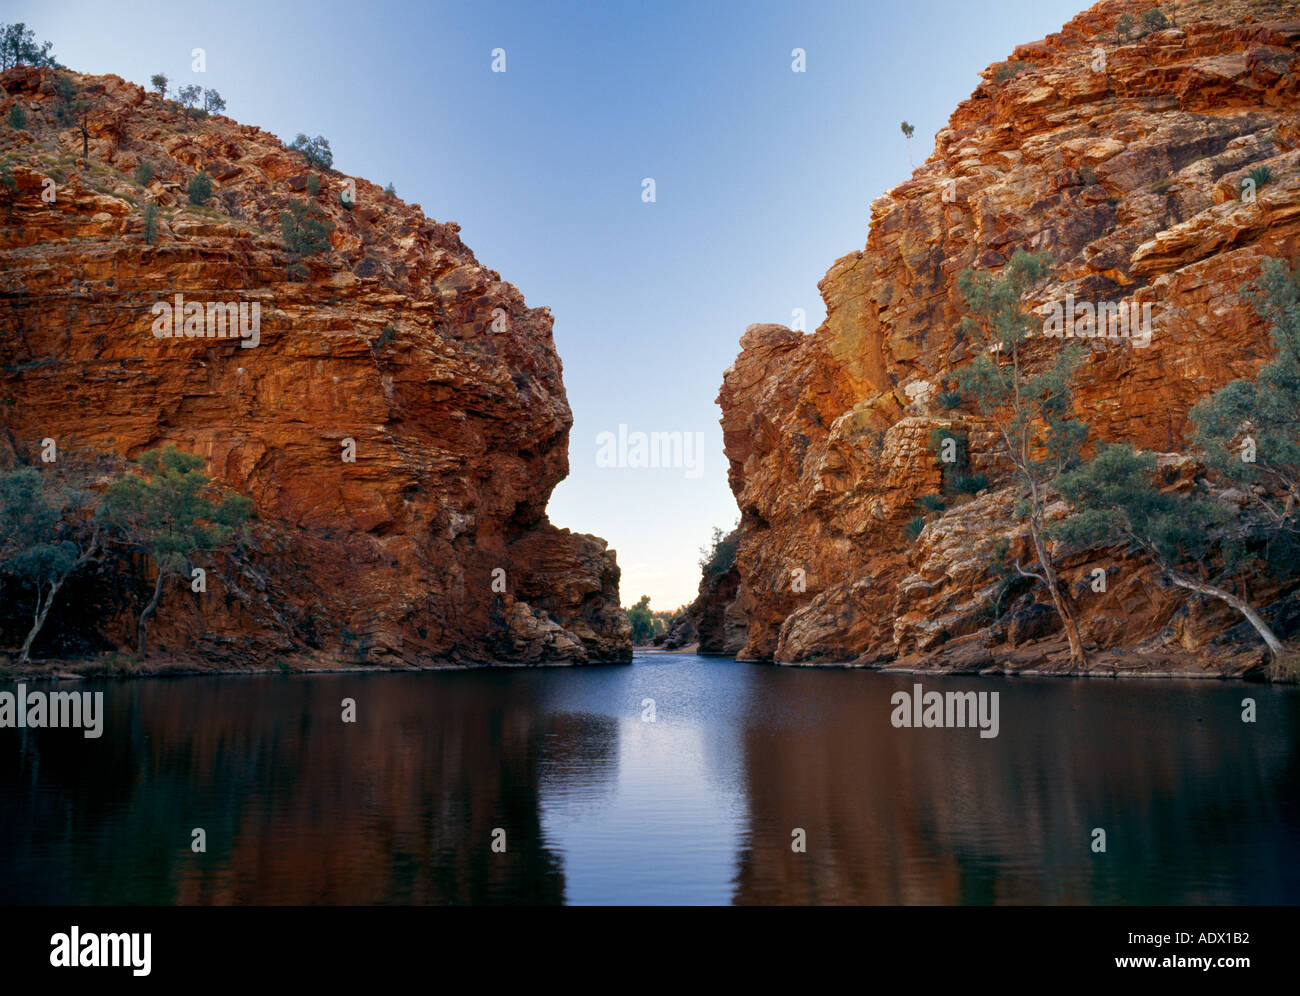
{"x":1262,"y":175}
{"x":199,"y":189}
{"x":1009,"y":70}
{"x":151,"y":223}
{"x":958,"y":466}
{"x":120,"y":663}
{"x":1123,"y":26}
{"x":385,"y":337}
{"x":913,"y":528}
{"x":950,"y":399}
{"x":17,"y":117}
{"x":390,"y":190}
{"x":304,"y":231}
{"x":931,"y":503}
{"x":66,"y":91}
{"x":313,"y":185}
{"x":968,"y":484}
{"x":143,"y":173}
{"x":1154,"y":20}
{"x":719,"y":556}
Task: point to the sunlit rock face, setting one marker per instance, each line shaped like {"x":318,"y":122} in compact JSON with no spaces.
{"x":1126,"y":160}
{"x":395,"y":345}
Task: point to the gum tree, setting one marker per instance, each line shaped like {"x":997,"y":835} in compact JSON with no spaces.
{"x":315,"y":150}
{"x":188,"y":96}
{"x":166,"y":510}
{"x":47,"y":533}
{"x":18,"y":47}
{"x":1191,"y":540}
{"x":1026,"y":399}
{"x":82,"y":109}
{"x":642,"y":620}
{"x":1249,"y":430}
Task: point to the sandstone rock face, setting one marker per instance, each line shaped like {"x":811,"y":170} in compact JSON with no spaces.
{"x":1125,"y":159}
{"x":396,"y":339}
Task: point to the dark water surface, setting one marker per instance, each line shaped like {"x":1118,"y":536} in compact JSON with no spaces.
{"x":600,"y":806}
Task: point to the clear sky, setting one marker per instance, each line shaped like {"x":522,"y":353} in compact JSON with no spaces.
{"x":763,"y":176}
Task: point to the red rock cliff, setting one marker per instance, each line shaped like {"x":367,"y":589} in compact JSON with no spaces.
{"x":397,"y":338}
{"x":1123,"y":157}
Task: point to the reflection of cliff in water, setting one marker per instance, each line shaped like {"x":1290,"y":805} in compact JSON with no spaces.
{"x":398,"y":807}
{"x":1186,"y":792}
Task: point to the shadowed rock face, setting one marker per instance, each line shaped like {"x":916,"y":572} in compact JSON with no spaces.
{"x":1129,"y":169}
{"x":397,"y":339}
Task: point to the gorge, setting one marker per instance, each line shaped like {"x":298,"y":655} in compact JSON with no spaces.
{"x":397,"y":415}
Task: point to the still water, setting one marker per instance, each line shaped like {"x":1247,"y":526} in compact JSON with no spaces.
{"x":600,"y":805}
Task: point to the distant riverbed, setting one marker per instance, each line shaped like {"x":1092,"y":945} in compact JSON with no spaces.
{"x":680,"y":779}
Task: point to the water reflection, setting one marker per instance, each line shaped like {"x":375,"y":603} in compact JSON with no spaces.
{"x":1198,"y":807}
{"x":600,"y":806}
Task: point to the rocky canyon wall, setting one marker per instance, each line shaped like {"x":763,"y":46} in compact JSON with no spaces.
{"x":1122,"y":156}
{"x":396,"y":339}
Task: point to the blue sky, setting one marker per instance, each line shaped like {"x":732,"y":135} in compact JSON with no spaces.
{"x":763,"y":176}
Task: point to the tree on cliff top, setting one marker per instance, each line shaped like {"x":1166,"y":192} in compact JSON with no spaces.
{"x":1027,"y":403}
{"x":48,"y":531}
{"x":720,"y":554}
{"x":18,"y":47}
{"x":1116,"y":499}
{"x":188,"y":97}
{"x":315,"y":150}
{"x":908,"y":130}
{"x":165,"y":511}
